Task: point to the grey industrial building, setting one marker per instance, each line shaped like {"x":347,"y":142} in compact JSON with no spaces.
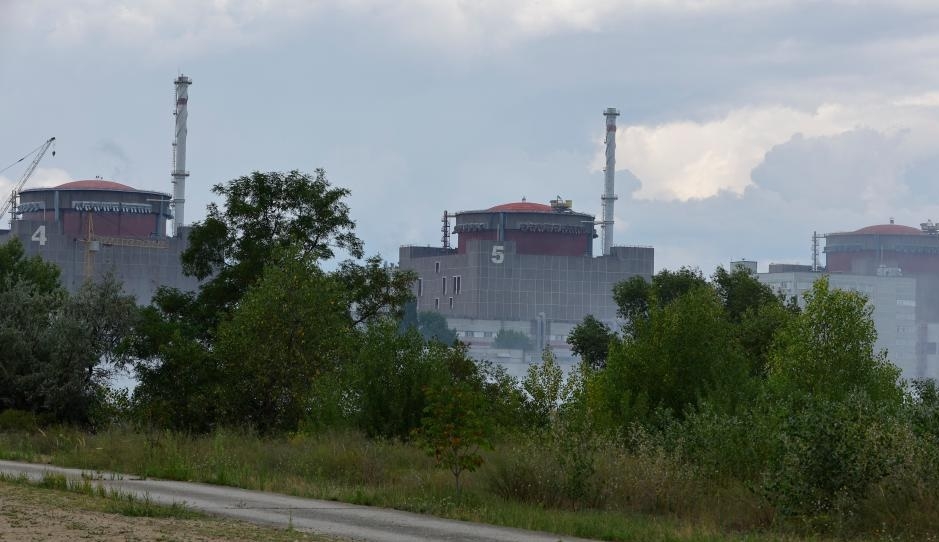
{"x":92,"y":227}
{"x":897,"y":268}
{"x":521,"y":266}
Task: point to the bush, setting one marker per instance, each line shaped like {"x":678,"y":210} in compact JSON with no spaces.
{"x":830,"y":454}
{"x":18,"y":420}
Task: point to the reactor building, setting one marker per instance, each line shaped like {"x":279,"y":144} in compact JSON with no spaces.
{"x":92,"y":227}
{"x":897,"y":268}
{"x":526,"y":267}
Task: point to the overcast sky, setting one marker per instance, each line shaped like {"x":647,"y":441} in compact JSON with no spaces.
{"x":744,"y":127}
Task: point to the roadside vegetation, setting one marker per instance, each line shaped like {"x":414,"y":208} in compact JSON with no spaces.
{"x":717,"y":411}
{"x":51,"y":511}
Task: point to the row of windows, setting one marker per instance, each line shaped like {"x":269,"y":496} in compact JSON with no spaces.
{"x":456,"y":289}
{"x":437,"y":303}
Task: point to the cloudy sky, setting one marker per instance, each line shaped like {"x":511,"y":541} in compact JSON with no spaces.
{"x":745,"y":125}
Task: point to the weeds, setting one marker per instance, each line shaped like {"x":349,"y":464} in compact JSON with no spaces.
{"x":118,"y":502}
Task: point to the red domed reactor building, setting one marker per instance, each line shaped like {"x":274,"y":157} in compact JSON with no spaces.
{"x":89,"y":228}
{"x":524,"y":267}
{"x":92,"y":227}
{"x":897,"y":268}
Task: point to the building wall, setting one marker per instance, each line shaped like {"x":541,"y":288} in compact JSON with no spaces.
{"x":497,"y":283}
{"x":142,"y":265}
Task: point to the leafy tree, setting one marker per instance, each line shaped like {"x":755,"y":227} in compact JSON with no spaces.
{"x":264,"y":213}
{"x":635,"y":297}
{"x":456,"y":427}
{"x":590,"y":340}
{"x":375,"y":290}
{"x":828,"y":351}
{"x":388,"y":379}
{"x":509,"y":338}
{"x":740,"y":291}
{"x":836,"y":401}
{"x":632,"y":297}
{"x":59,"y":351}
{"x":755,"y":310}
{"x":433,"y":327}
{"x":544,"y":384}
{"x":266,"y":319}
{"x":683,"y":354}
{"x":300,"y":316}
{"x":15,"y":267}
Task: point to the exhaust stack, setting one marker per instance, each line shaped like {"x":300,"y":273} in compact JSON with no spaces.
{"x":608,"y":197}
{"x":179,"y":172}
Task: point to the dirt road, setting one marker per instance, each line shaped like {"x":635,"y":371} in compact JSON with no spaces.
{"x":310,"y":515}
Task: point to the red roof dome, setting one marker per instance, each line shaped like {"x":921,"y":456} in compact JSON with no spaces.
{"x":523,"y":206}
{"x":95,"y":184}
{"x":888,"y":229}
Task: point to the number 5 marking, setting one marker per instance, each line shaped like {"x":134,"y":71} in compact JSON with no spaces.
{"x":498,"y":254}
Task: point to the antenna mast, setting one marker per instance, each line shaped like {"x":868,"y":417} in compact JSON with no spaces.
{"x":608,"y":197}
{"x":179,"y":172}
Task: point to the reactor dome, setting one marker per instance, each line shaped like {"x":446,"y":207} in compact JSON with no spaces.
{"x":109,"y":208}
{"x":536,"y":228}
{"x":883,"y":246}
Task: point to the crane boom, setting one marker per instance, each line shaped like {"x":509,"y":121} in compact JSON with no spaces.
{"x":26,"y":175}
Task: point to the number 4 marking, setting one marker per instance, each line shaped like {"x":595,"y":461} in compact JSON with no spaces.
{"x":40,"y":236}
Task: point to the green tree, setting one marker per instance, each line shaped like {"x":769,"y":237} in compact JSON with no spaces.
{"x":828,"y":351}
{"x":388,"y":379}
{"x":267,"y":319}
{"x":59,"y":351}
{"x":300,"y":316}
{"x":544,"y":384}
{"x":456,"y":427}
{"x":265,"y":213}
{"x":511,"y":339}
{"x":433,"y":327}
{"x":636,"y":298}
{"x":684,"y":353}
{"x":756,"y":312}
{"x":740,"y":291}
{"x":590,"y":340}
{"x":836,"y":401}
{"x":16,"y":267}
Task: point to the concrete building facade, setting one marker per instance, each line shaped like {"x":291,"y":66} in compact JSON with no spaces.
{"x":93,"y":227}
{"x":524,"y":267}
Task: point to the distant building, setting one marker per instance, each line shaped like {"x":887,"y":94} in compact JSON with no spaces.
{"x":91,"y":227}
{"x":525,"y":267}
{"x":897,"y":268}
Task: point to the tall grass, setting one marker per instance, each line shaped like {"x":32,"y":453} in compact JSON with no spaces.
{"x":592,"y":489}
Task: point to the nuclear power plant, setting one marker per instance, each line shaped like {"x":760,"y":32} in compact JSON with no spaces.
{"x":527,"y":267}
{"x":92,"y":227}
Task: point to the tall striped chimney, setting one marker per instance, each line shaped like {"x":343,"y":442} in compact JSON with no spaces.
{"x":608,"y":197}
{"x":179,"y":172}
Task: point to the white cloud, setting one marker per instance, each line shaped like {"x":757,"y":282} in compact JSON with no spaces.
{"x":685,"y":160}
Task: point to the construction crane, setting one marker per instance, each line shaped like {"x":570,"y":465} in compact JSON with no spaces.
{"x":40,"y":152}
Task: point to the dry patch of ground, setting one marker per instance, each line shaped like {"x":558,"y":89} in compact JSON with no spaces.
{"x":34,"y":514}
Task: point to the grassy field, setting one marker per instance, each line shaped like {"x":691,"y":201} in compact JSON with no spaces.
{"x":53,"y":510}
{"x":650,"y":499}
